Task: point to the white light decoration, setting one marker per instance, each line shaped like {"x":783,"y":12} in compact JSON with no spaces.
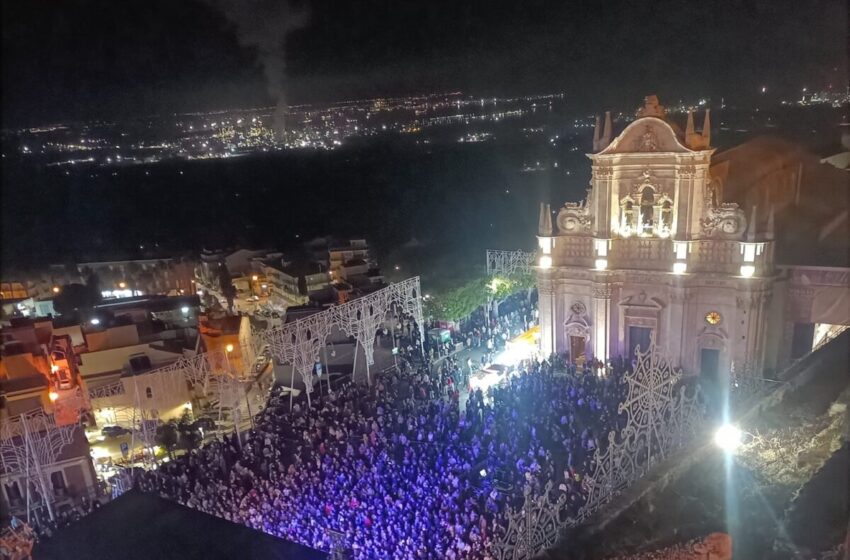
{"x":545,"y":261}
{"x":30,"y":445}
{"x":299,"y":343}
{"x":680,"y":267}
{"x":747,"y":270}
{"x":601,"y":264}
{"x":601,"y":247}
{"x":728,"y":438}
{"x":751,"y":251}
{"x":509,"y":262}
{"x":680,"y":249}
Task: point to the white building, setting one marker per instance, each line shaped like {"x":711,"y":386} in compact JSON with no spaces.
{"x":676,"y":243}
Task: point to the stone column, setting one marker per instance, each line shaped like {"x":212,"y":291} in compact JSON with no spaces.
{"x":677,"y":326}
{"x":547,"y":315}
{"x":601,"y":320}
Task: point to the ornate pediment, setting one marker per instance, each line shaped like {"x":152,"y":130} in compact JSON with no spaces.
{"x":650,"y":134}
{"x":642,"y":300}
{"x":725,"y":221}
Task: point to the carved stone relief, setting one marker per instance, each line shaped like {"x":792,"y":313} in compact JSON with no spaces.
{"x":724,"y":221}
{"x":574,"y":217}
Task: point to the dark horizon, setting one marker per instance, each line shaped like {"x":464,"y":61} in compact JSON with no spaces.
{"x":85,"y":59}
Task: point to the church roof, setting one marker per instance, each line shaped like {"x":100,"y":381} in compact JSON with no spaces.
{"x":810,"y":199}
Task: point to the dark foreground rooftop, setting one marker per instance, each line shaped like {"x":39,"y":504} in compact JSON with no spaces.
{"x":142,"y":526}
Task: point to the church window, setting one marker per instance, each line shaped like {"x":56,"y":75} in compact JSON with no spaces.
{"x":667,"y":215}
{"x":628,"y":218}
{"x":647,"y":200}
{"x":713,"y":318}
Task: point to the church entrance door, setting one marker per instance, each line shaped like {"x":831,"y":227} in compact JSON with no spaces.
{"x":804,"y":337}
{"x":638,"y":336}
{"x":576,"y":348}
{"x":709,"y":373}
{"x":709,"y":364}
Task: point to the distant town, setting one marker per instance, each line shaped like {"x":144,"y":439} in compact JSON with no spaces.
{"x":238,"y":132}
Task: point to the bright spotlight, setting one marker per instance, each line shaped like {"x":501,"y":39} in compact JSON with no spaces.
{"x":728,"y":437}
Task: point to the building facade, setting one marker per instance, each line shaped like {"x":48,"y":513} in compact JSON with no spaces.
{"x":655,"y":251}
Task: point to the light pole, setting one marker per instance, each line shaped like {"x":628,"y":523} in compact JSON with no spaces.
{"x":227,"y":350}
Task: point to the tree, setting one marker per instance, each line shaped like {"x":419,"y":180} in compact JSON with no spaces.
{"x":460,"y":302}
{"x":73,"y":298}
{"x":166,"y":436}
{"x":93,"y":287}
{"x":189,"y":436}
{"x":225,"y":281}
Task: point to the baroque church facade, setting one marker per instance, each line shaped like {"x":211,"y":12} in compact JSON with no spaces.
{"x":655,"y":252}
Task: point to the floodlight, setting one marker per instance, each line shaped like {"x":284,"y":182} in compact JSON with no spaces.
{"x":728,"y":437}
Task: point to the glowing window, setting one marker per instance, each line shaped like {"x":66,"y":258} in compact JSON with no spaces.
{"x":713,"y":318}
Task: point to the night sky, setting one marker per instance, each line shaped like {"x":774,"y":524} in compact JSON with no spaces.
{"x":74,"y":59}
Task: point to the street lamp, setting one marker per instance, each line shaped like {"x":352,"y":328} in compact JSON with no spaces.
{"x":56,"y":289}
{"x":728,"y":438}
{"x":122,"y":285}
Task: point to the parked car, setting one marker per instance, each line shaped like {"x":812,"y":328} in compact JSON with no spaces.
{"x":114,"y":431}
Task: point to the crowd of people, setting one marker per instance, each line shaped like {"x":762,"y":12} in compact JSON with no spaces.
{"x":45,"y":527}
{"x":399,"y":467}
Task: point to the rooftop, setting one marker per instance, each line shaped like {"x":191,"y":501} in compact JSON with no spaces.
{"x":143,"y":526}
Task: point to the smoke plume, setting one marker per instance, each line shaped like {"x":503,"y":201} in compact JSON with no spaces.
{"x":263,"y":25}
